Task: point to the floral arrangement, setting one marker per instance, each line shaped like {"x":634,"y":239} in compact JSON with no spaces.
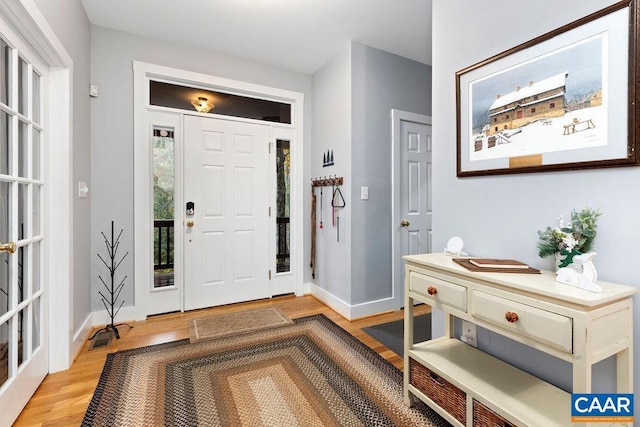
{"x":569,"y":240}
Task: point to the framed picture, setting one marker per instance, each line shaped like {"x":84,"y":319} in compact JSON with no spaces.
{"x":564,"y":100}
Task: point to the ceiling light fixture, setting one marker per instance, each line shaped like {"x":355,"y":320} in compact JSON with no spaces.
{"x":202,"y":104}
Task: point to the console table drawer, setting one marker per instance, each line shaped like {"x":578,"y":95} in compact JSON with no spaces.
{"x":540,"y":325}
{"x":439,"y":291}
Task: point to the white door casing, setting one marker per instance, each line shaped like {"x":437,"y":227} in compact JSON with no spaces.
{"x":226,"y":240}
{"x":411,"y":194}
{"x":143,"y":239}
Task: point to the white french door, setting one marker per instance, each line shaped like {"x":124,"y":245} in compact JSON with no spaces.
{"x":226,"y":212}
{"x":23,"y":333}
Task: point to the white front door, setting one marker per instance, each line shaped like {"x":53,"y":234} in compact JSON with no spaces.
{"x":412,"y":227}
{"x":23,"y":333}
{"x":226,"y":205}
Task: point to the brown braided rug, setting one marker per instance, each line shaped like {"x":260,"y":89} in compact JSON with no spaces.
{"x":309,"y":373}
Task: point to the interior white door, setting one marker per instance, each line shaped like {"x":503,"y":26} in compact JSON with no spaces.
{"x":23,"y":334}
{"x":226,"y":236}
{"x":412,"y":226}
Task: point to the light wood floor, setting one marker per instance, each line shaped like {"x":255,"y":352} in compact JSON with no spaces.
{"x":63,"y":397}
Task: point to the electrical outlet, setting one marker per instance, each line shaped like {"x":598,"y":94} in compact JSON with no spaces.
{"x":469,"y":333}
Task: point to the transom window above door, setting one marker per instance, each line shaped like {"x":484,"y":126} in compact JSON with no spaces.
{"x":170,"y":95}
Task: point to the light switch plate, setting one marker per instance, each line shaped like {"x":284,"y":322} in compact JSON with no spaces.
{"x":364,"y":193}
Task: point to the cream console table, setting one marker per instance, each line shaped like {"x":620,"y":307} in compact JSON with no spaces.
{"x":470,"y":387}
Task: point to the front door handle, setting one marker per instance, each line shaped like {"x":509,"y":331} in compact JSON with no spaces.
{"x":190,"y":223}
{"x":404,"y":223}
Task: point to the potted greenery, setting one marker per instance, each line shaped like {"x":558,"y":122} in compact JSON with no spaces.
{"x":568,"y":240}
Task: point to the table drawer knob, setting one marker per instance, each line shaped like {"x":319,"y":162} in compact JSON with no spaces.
{"x":432,"y":290}
{"x":511,"y":316}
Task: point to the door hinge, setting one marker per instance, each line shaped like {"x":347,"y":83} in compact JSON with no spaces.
{"x":269,"y":274}
{"x":270,"y":147}
{"x":269,"y":210}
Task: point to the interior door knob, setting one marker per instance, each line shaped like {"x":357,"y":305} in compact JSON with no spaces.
{"x":9,"y":247}
{"x":404,"y":223}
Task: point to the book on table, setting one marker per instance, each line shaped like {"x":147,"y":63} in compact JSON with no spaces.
{"x":497,"y":263}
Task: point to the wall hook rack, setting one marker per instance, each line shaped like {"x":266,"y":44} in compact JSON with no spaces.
{"x":327,"y":181}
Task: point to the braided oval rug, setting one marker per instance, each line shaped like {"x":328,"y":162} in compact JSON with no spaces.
{"x":309,"y":373}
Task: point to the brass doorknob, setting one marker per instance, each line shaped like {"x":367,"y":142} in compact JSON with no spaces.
{"x":404,"y":223}
{"x":9,"y":247}
{"x":190,"y":223}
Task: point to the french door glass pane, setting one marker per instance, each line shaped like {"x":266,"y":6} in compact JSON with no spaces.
{"x":23,"y":79}
{"x":23,"y":149}
{"x":283,"y":229}
{"x":163,"y":212}
{"x":35,"y":106}
{"x":5,"y":265}
{"x":36,"y":154}
{"x":23,"y":212}
{"x":22,"y":336}
{"x":5,"y":75}
{"x":35,"y":329}
{"x":4,"y":143}
{"x":35,"y":263}
{"x":5,"y":346}
{"x":36,"y":210}
{"x":23,"y":272}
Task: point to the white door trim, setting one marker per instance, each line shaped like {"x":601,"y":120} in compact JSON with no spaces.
{"x":143,"y":244}
{"x":34,"y":28}
{"x":396,"y":117}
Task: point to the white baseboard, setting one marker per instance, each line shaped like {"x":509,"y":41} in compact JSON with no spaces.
{"x":336,"y":304}
{"x":127,"y":314}
{"x":351,"y":312}
{"x":81,"y":335}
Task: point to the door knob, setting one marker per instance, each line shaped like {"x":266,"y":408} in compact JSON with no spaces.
{"x":9,"y":247}
{"x":190,"y":223}
{"x":404,"y":223}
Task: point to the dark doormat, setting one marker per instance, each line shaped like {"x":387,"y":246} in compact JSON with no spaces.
{"x":391,"y":334}
{"x":102,"y":339}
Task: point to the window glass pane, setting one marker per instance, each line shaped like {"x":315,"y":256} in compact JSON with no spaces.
{"x":23,"y":213}
{"x":36,"y":154}
{"x":283,"y":229}
{"x":23,"y":149}
{"x":36,"y":98}
{"x":163,"y":198}
{"x":5,"y":75}
{"x":176,"y":96}
{"x":5,"y":265}
{"x":23,"y":78}
{"x":5,"y":336}
{"x":4,"y":143}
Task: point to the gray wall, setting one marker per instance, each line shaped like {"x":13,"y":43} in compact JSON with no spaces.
{"x":499,"y":216}
{"x":112,"y":56}
{"x":70,"y":23}
{"x":380,"y":82}
{"x":332,"y":131}
{"x":353,"y":94}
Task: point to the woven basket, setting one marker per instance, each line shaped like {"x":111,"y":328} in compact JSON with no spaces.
{"x":485,"y":417}
{"x":446,"y":395}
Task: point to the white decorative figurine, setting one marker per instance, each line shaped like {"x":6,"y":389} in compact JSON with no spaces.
{"x":573,"y":277}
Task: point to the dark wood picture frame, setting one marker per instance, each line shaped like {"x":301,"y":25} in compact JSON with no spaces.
{"x":584,"y":136}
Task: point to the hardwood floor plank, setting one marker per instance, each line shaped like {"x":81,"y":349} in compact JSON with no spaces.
{"x":63,"y":397}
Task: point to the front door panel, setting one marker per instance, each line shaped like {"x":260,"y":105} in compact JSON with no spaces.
{"x":226,"y":244}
